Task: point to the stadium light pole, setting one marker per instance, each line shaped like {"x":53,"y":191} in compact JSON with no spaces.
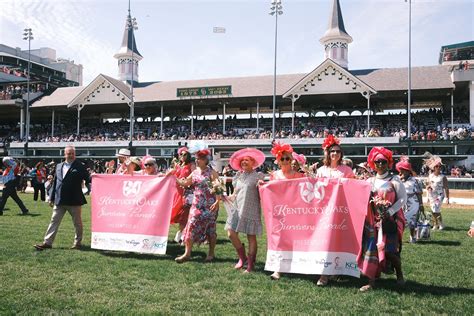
{"x":132,"y":26}
{"x":28,"y":36}
{"x":409,"y":78}
{"x":276,"y":9}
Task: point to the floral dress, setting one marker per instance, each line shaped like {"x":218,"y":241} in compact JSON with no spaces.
{"x":245,"y":215}
{"x":436,"y":192}
{"x":381,"y":236}
{"x":201,"y":221}
{"x":413,"y":188}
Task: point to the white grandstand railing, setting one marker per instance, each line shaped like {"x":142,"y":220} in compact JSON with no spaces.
{"x":210,"y":142}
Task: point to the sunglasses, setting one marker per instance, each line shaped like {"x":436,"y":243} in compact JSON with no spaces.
{"x":335,"y":151}
{"x":380,"y":162}
{"x":285,"y":159}
{"x":148,"y":165}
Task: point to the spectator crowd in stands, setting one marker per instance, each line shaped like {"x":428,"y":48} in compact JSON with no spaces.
{"x":426,"y":126}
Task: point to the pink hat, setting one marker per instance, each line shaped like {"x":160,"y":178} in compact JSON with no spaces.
{"x":300,"y":158}
{"x":182,"y":149}
{"x":253,"y":153}
{"x":405,"y":165}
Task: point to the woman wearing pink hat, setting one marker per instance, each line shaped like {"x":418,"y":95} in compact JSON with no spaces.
{"x":414,"y":191}
{"x":182,"y":199}
{"x":245,"y":214}
{"x":283,"y":154}
{"x":385,"y":221}
{"x":437,"y":185}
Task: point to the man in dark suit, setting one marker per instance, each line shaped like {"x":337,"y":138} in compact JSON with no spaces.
{"x":66,"y":195}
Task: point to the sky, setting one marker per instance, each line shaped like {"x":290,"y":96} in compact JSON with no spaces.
{"x":177,"y":41}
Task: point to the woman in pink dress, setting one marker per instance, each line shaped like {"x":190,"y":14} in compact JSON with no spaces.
{"x":332,"y":168}
{"x":283,"y":154}
{"x":201,"y":224}
{"x":183,"y":197}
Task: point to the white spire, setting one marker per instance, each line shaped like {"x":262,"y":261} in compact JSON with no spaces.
{"x":128,"y":55}
{"x":336,"y":39}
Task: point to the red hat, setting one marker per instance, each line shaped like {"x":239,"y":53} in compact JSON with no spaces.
{"x":279,"y":148}
{"x":378,"y":153}
{"x":255,"y":154}
{"x":203,"y":153}
{"x":329,"y":141}
{"x":404,"y":164}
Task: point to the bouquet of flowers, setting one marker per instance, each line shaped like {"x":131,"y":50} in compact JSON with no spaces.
{"x":217,"y":186}
{"x":381,"y":206}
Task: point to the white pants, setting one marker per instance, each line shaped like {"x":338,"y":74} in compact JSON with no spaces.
{"x":56,"y":218}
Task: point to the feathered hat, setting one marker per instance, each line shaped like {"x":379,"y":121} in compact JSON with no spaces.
{"x":200,"y":149}
{"x":279,"y":148}
{"x":432,"y":160}
{"x":329,"y":141}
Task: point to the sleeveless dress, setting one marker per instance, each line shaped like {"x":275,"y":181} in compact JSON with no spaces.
{"x":201,"y":221}
{"x":245,"y":215}
{"x":180,"y":210}
{"x":413,"y":188}
{"x":382,"y":236}
{"x":436,"y":194}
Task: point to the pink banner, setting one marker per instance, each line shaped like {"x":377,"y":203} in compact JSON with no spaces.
{"x":131,"y":213}
{"x":314,"y":225}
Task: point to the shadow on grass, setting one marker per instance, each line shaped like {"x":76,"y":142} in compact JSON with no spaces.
{"x":410,"y":287}
{"x":172,"y":251}
{"x":28,"y":215}
{"x":440,"y":242}
{"x":452,"y":229}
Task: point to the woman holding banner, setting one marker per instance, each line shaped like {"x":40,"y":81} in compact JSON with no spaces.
{"x":183,"y":197}
{"x":201,"y":224}
{"x":385,"y":221}
{"x":283,"y":157}
{"x":243,"y":206}
{"x":149,"y":166}
{"x":332,"y":168}
{"x":332,"y":163}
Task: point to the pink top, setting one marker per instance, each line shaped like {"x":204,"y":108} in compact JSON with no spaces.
{"x":342,"y":171}
{"x":278,"y":175}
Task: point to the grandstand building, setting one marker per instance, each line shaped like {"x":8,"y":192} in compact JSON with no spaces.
{"x":330,"y":97}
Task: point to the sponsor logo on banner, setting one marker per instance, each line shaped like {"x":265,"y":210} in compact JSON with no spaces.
{"x":352,"y":266}
{"x":131,"y":188}
{"x":308,"y":191}
{"x":324,"y":262}
{"x":337,"y":264}
{"x":132,"y":242}
{"x":151,"y":244}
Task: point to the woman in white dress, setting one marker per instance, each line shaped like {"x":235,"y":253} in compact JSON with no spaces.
{"x":437,"y":186}
{"x":414,"y":191}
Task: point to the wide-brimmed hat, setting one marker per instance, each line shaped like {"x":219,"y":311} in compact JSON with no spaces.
{"x":253,"y":153}
{"x":135,"y":160}
{"x":123,"y":153}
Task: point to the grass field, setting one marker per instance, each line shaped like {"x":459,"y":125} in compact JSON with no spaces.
{"x":439,"y":273}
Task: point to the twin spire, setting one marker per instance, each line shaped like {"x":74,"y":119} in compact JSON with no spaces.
{"x":128,"y":55}
{"x":335,"y":41}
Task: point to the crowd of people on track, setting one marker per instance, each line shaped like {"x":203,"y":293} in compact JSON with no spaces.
{"x":196,"y":203}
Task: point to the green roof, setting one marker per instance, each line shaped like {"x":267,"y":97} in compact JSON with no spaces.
{"x":458,"y":45}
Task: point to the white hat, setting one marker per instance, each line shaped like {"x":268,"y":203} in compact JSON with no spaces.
{"x":5,"y":159}
{"x":123,"y":153}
